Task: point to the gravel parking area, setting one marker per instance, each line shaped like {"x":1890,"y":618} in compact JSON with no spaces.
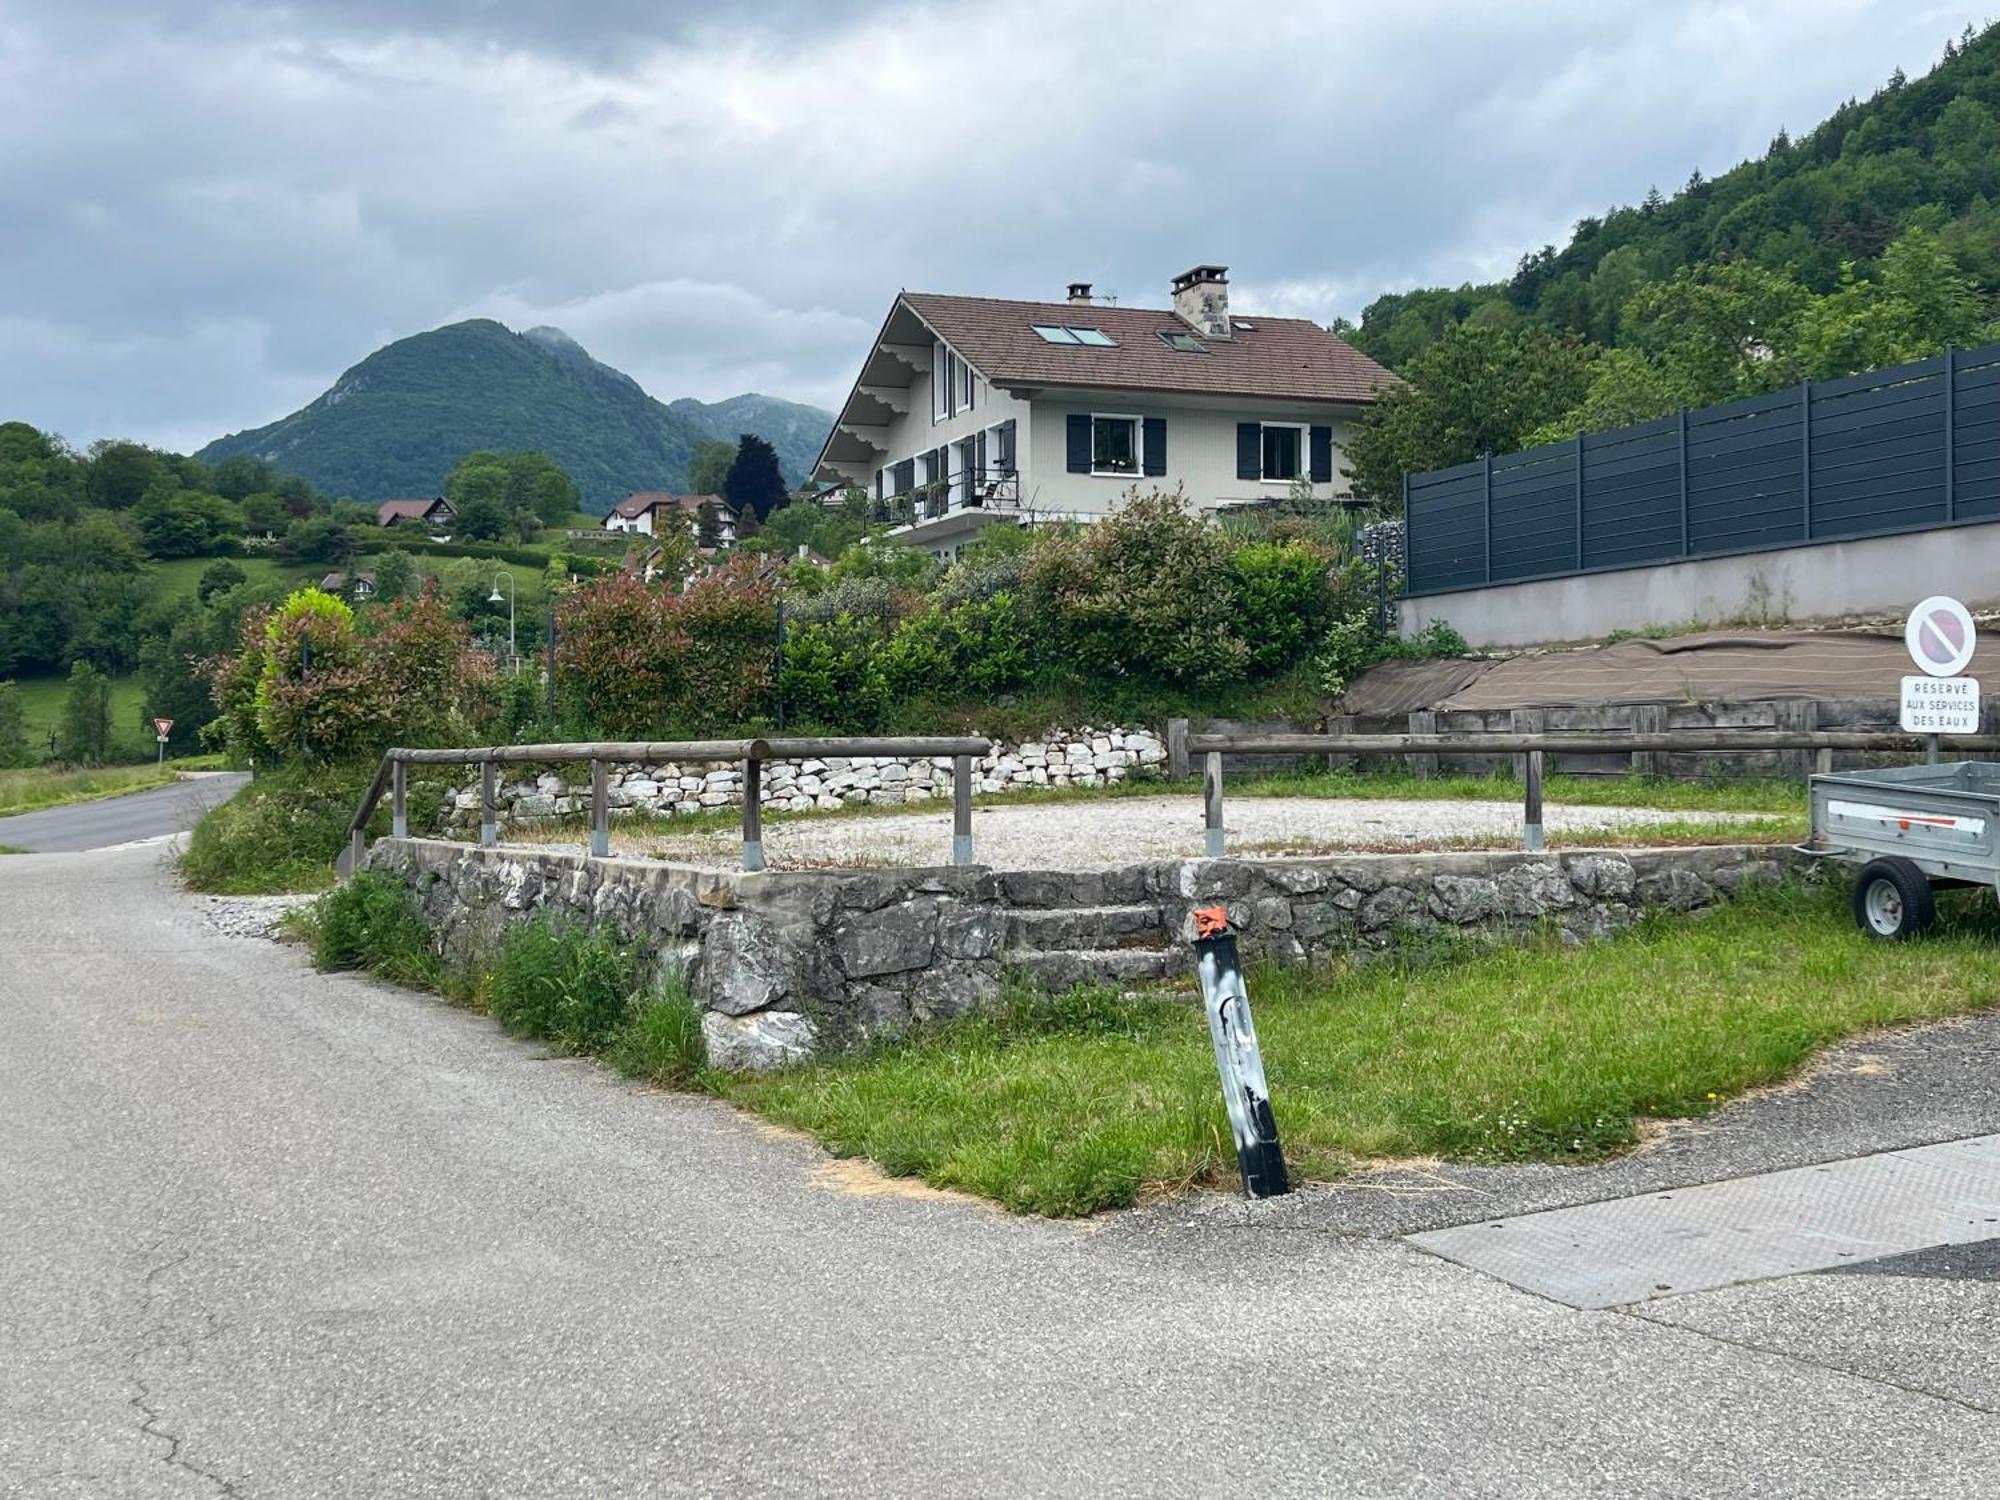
{"x":1129,"y":830}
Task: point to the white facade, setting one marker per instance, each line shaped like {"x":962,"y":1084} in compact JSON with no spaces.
{"x":1008,"y":451}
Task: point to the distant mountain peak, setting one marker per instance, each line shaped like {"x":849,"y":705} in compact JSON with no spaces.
{"x":396,"y":422}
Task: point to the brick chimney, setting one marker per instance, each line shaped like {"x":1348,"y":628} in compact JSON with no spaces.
{"x":1079,"y":294}
{"x":1201,"y":300}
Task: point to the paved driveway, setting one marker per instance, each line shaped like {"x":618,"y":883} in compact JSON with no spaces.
{"x":122,"y":820}
{"x":269,"y":1233}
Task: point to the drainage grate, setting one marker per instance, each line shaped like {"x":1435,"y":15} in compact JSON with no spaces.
{"x":1717,"y":1234}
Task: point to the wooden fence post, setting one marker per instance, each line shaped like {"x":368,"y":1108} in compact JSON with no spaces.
{"x":489,"y":809}
{"x":600,"y":809}
{"x":1423,"y":766}
{"x":1649,"y":718}
{"x":1791,"y":715}
{"x":961,"y":809}
{"x":1531,"y":822}
{"x":1177,"y":751}
{"x":1526,"y":721}
{"x":399,"y":800}
{"x":753,"y":813}
{"x":1211,"y":804}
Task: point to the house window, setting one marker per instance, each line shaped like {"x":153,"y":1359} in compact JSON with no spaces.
{"x":1284,"y":452}
{"x":1186,"y":343}
{"x":904,"y":477}
{"x":1114,"y":445}
{"x":951,"y":383}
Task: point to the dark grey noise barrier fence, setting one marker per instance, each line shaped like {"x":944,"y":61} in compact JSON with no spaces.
{"x":392,"y":777}
{"x":1529,"y":750}
{"x":1907,"y":448}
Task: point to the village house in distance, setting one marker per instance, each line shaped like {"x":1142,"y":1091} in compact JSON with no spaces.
{"x":710,"y":517}
{"x":971,"y":410}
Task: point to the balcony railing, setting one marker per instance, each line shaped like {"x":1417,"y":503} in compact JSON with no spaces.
{"x":969,"y":489}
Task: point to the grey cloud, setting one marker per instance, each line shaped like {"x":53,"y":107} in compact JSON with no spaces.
{"x":207,"y":216}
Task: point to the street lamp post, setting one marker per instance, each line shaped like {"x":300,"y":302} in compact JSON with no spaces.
{"x":513,"y":590}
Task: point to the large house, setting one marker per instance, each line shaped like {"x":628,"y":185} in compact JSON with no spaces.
{"x":433,"y":513}
{"x":640,"y":512}
{"x":971,"y":410}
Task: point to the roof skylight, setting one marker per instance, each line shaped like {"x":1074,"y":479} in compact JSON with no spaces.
{"x":1187,"y":343}
{"x":1052,"y":333}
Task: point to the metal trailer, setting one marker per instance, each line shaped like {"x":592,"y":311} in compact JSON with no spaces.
{"x":1912,"y":829}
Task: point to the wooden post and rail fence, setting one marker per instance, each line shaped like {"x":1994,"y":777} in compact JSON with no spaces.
{"x":1528,"y":749}
{"x":1183,"y":745}
{"x":392,"y":779}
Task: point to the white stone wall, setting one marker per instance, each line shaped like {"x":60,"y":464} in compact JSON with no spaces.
{"x":1083,"y":757}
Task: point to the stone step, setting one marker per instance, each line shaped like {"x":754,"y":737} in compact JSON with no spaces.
{"x":1061,"y":970}
{"x":1070,"y":928}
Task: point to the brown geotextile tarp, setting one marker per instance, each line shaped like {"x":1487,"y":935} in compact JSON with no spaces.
{"x":1727,"y":666}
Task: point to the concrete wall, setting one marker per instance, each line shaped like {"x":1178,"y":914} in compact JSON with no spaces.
{"x":1884,"y":574}
{"x":788,"y":963}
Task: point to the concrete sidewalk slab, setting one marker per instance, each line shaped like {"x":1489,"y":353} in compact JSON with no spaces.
{"x":1719,"y":1234}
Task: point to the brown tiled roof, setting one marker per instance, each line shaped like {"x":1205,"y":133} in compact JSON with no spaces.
{"x":640,"y":501}
{"x":403,"y":510}
{"x":1288,"y":358}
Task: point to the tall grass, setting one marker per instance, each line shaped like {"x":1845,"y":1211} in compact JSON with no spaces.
{"x":372,"y":923}
{"x":1534,"y":1052}
{"x":25,"y":791}
{"x":582,"y":990}
{"x":284,"y":831}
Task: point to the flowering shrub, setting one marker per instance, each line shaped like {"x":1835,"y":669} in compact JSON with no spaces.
{"x":307,"y":682}
{"x":1145,"y":595}
{"x":636,"y":658}
{"x":315,"y":692}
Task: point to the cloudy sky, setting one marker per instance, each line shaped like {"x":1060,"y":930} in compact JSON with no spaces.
{"x":209,"y":210}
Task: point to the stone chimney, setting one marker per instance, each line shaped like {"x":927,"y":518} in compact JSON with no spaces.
{"x":1079,"y":294}
{"x":1201,"y":300}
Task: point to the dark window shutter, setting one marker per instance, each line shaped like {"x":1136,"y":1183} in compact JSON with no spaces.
{"x":878,"y":484}
{"x":1007,"y":444}
{"x":1155,"y":445}
{"x":1322,"y":455}
{"x":1079,"y":444}
{"x":979,"y":451}
{"x":1249,"y":450}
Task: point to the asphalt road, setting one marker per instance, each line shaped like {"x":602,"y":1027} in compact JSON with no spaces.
{"x":270,"y":1233}
{"x":122,"y":820}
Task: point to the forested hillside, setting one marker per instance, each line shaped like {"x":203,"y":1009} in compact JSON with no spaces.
{"x":1870,"y":239}
{"x":397,"y":422}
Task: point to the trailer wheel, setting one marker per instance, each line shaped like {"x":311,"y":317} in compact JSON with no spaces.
{"x":1892,"y":899}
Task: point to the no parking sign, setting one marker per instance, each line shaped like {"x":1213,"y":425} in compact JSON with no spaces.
{"x":1941,"y":638}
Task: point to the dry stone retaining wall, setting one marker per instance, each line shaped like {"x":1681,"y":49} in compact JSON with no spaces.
{"x":788,"y":963}
{"x":1084,"y":757}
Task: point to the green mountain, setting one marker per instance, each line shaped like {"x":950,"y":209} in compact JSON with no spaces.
{"x":397,"y":422}
{"x":1870,"y":240}
{"x":1922,"y":153}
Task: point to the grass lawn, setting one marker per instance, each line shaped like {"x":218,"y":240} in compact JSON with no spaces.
{"x":42,"y":705}
{"x":179,"y":578}
{"x":25,"y":791}
{"x":1538,"y":1052}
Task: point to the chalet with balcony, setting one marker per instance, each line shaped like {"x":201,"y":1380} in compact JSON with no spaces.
{"x":432,"y":512}
{"x":710,"y":517}
{"x":975,"y":410}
